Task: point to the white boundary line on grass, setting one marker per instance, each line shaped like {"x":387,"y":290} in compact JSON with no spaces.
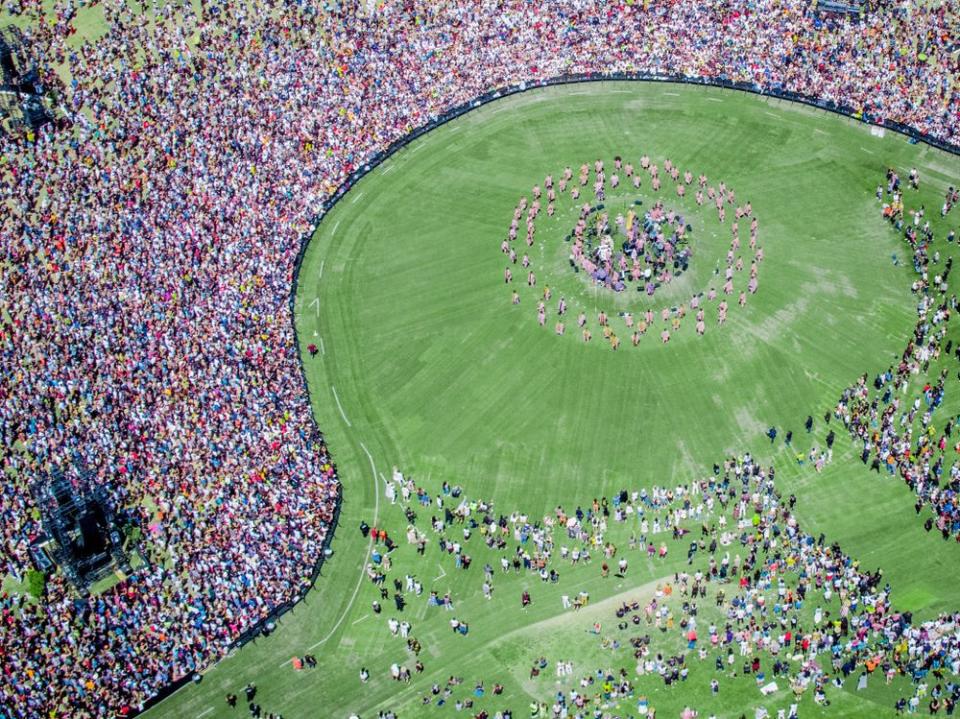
{"x":340,"y":407}
{"x":357,"y":197}
{"x":204,"y":712}
{"x":335,"y":226}
{"x":376,"y":521}
{"x":356,"y":589}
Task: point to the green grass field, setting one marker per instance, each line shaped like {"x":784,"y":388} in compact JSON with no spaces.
{"x":426,"y":365}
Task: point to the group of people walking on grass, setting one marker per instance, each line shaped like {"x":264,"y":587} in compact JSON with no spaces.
{"x":897,"y":421}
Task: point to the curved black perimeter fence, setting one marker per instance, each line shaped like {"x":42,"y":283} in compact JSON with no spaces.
{"x":262,"y":626}
{"x":375,"y":160}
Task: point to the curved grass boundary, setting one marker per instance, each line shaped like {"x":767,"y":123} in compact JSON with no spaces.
{"x":490,"y":96}
{"x":298,"y":319}
{"x":379,"y":158}
{"x":486,"y":98}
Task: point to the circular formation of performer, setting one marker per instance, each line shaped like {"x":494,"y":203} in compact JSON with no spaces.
{"x":638,"y":249}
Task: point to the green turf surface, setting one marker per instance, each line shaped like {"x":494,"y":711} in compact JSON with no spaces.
{"x":426,"y":365}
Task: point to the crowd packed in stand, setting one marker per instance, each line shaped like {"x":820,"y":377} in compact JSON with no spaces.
{"x":149,"y":248}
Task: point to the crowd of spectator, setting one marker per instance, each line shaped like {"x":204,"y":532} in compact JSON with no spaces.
{"x":149,"y":247}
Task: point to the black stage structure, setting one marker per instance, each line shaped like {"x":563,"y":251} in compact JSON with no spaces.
{"x":83,"y":537}
{"x":23,"y":102}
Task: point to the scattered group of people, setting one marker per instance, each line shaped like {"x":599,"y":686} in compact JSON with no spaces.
{"x":253,"y":706}
{"x":760,"y":600}
{"x":150,"y":241}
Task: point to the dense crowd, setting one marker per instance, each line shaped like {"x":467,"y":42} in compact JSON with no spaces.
{"x":149,"y":245}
